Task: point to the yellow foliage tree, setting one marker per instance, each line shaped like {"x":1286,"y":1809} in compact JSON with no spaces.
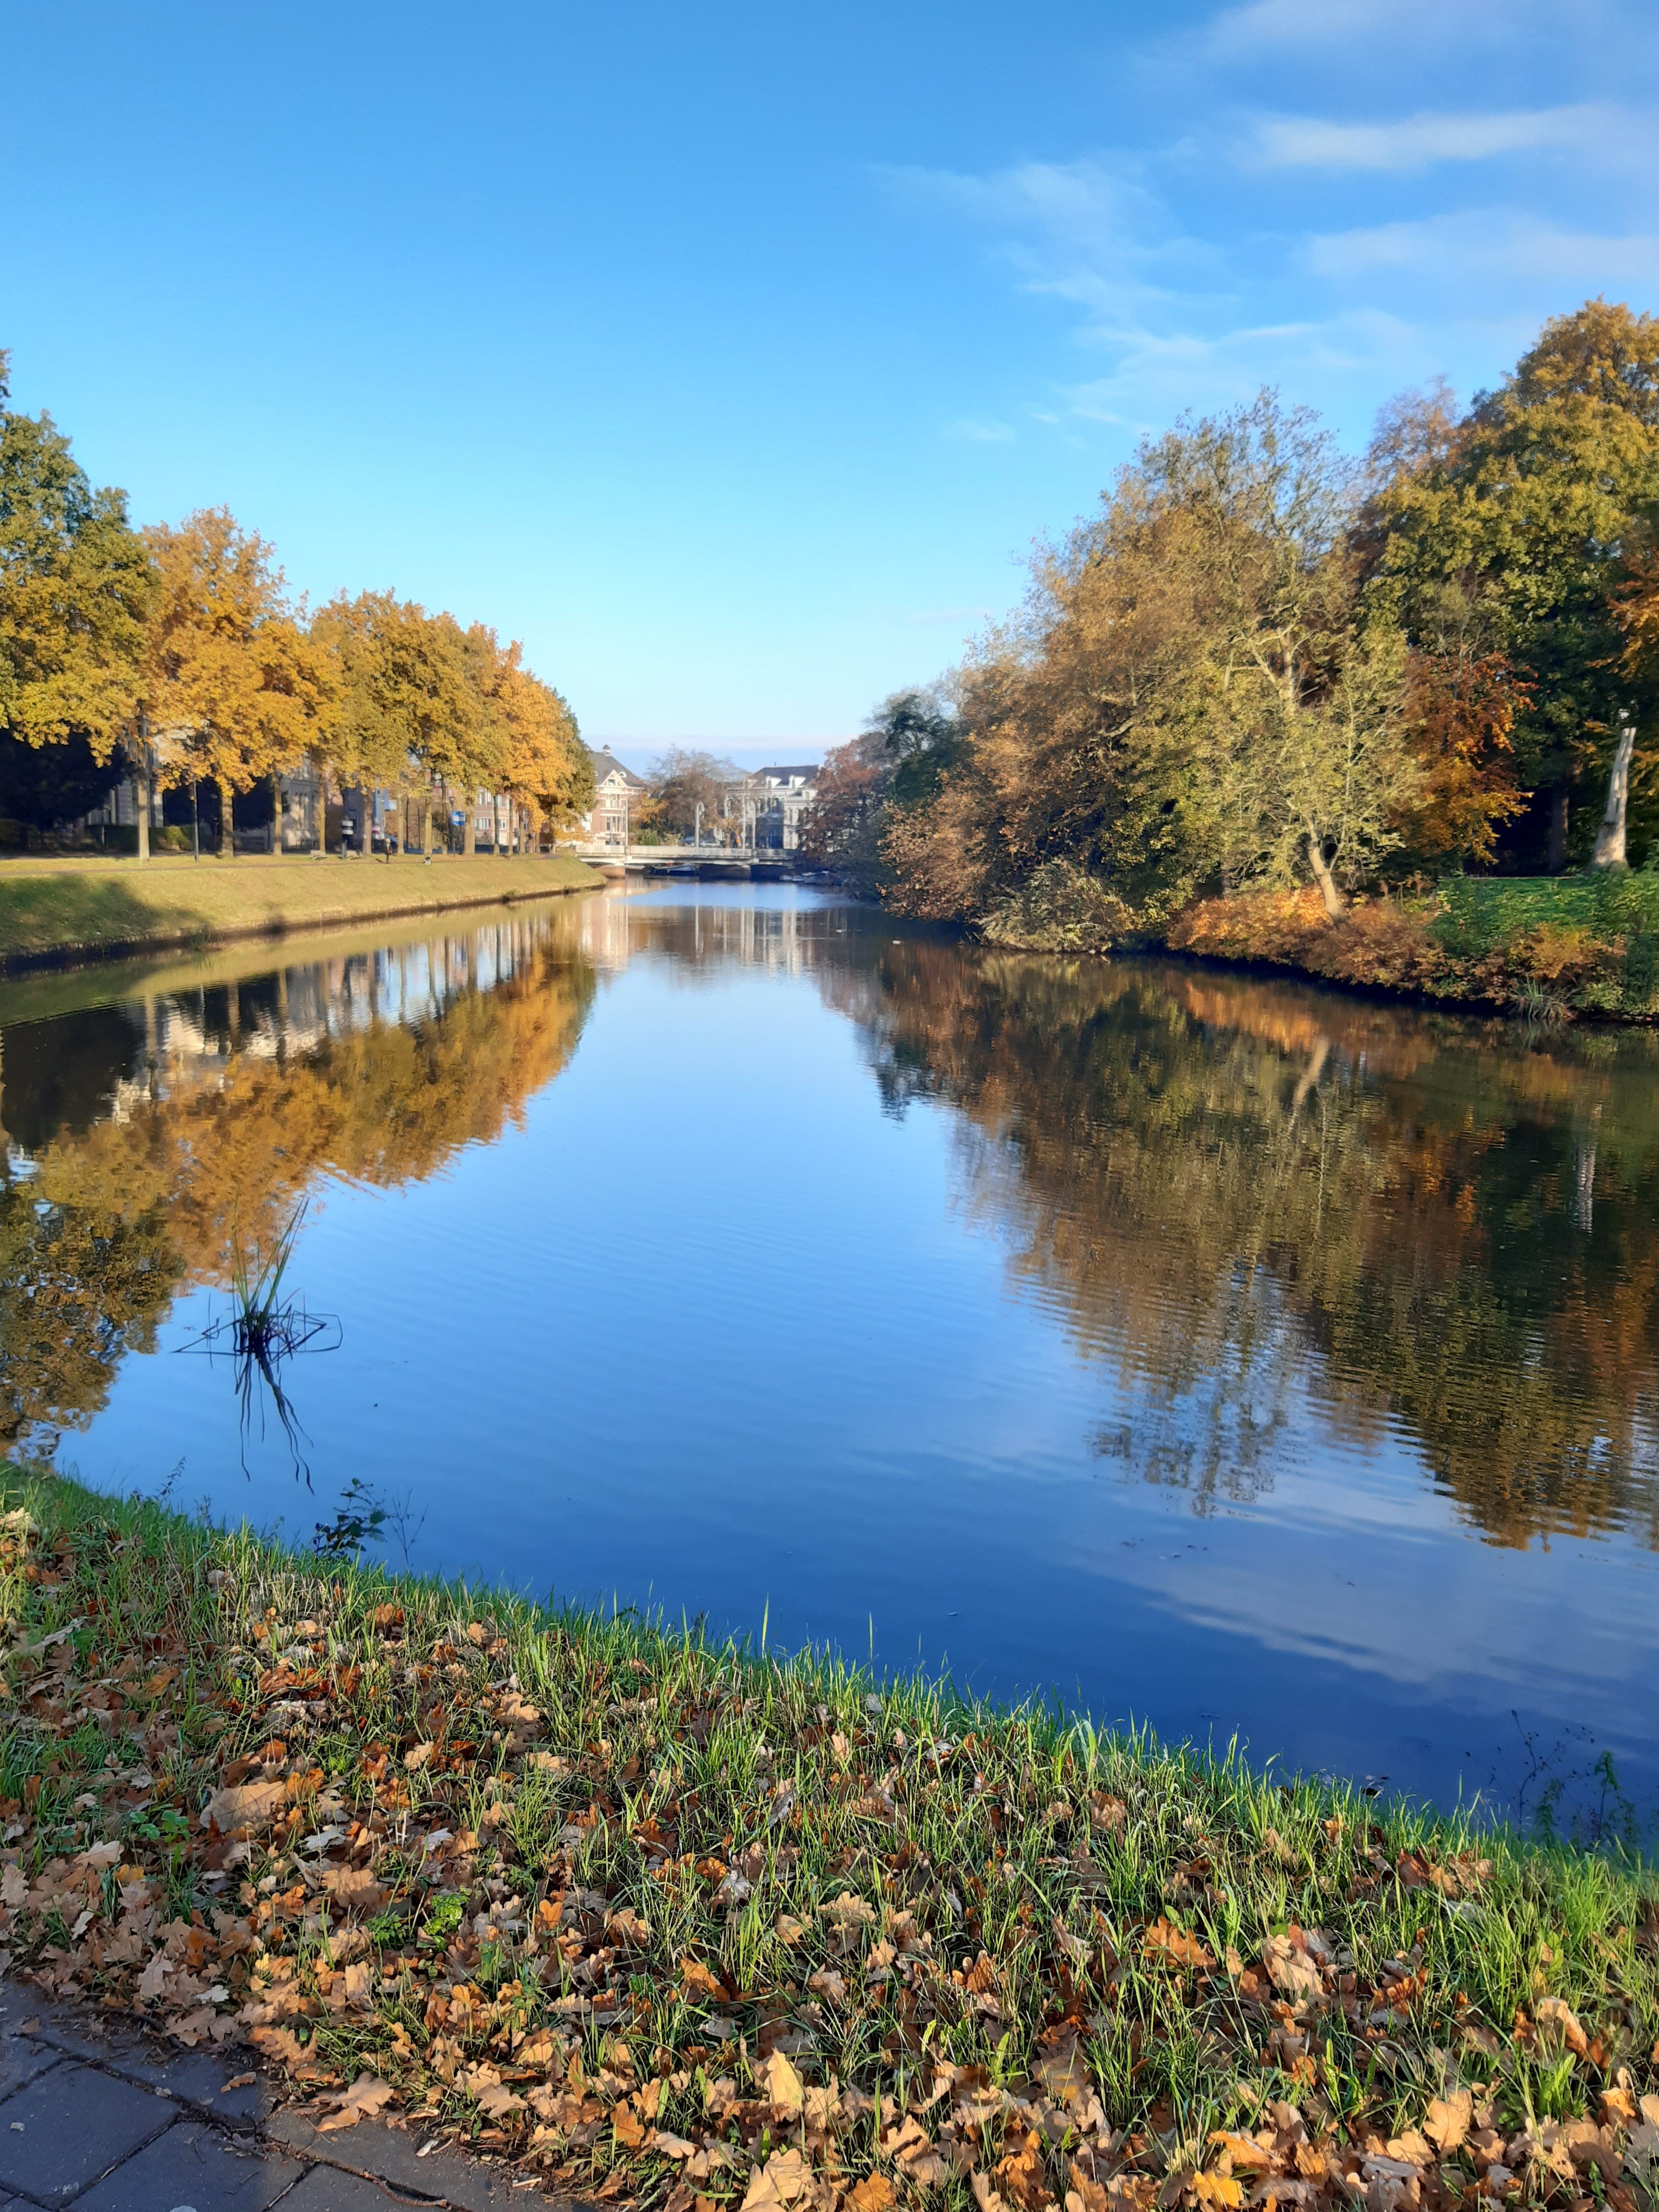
{"x":232,"y":689}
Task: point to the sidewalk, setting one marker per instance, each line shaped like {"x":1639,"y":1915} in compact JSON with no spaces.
{"x":94,"y":2113}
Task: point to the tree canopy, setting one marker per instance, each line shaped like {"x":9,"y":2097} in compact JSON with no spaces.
{"x":1261,"y":661}
{"x":179,"y":647}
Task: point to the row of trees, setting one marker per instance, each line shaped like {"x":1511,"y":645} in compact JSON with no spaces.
{"x":176,"y":655}
{"x":1261,"y":661}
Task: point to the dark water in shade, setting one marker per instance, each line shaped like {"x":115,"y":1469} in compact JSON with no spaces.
{"x":1214,"y":1351}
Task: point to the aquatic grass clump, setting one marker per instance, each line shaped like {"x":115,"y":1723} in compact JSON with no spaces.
{"x":263,"y":1329}
{"x":676,"y":1921}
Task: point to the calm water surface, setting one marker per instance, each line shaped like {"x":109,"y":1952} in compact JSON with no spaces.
{"x":1217,"y":1352}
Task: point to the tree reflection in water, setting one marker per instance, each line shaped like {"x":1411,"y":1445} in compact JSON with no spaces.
{"x":215,"y":1107}
{"x":1235,"y":1189}
{"x":1239,"y":1195}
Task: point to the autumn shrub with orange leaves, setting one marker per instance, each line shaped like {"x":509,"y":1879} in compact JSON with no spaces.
{"x":692,"y":1926}
{"x":1556,"y":947}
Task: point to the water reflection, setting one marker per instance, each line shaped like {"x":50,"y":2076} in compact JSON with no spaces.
{"x":1225,"y":1351}
{"x":147,"y":1146}
{"x":1236,"y":1190}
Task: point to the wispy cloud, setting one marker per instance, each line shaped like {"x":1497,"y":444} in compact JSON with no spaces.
{"x":1417,"y":141}
{"x":979,"y":430}
{"x":1485,"y":257}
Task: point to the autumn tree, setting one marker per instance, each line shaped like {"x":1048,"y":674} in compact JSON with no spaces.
{"x":691,"y":785}
{"x":841,"y":827}
{"x":411,"y":716}
{"x":232,"y":689}
{"x":547,"y":768}
{"x":75,"y":588}
{"x":1530,"y":509}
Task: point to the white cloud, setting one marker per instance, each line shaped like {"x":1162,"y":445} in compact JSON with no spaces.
{"x":1494,"y":256}
{"x":978,"y":431}
{"x":1418,"y":141}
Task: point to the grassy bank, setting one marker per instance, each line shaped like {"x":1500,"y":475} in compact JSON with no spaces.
{"x":1550,"y":946}
{"x":56,"y":909}
{"x":685,"y":1923}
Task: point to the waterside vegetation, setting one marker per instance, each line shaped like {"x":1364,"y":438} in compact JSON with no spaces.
{"x":682,"y":1924}
{"x":1263,"y":669}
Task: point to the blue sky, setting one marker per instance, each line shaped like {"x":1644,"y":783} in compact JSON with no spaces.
{"x":731,"y":355}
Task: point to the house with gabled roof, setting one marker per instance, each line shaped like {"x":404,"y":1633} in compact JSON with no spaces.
{"x":617,"y":793}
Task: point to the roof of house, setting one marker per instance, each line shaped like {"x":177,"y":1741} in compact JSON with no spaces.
{"x":807,"y":770}
{"x":606,"y":763}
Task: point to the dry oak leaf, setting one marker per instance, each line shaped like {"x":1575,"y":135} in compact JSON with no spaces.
{"x":1164,"y":1936}
{"x":417,"y":1756}
{"x":826,"y":1983}
{"x":1447,"y":2122}
{"x":784,"y":2178}
{"x":364,"y":2098}
{"x":698,"y":1981}
{"x":1023,"y":2177}
{"x":1556,"y":2014}
{"x":354,"y":1887}
{"x":1292,"y":1965}
{"x":874,"y":2193}
{"x":783,"y":2085}
{"x":250,"y":1805}
{"x":787,"y":1930}
{"x":278,"y":2043}
{"x":849,"y":1911}
{"x":1216,"y":2188}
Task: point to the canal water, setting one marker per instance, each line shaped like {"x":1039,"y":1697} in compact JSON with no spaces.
{"x":1200,"y":1350}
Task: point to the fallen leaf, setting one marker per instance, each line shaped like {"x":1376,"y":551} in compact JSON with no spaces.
{"x":783,"y":2085}
{"x":363,"y":2098}
{"x":1164,"y":1937}
{"x":1557,"y":2015}
{"x":354,"y":1887}
{"x":1447,"y":2122}
{"x":875,"y":2193}
{"x":250,"y":1805}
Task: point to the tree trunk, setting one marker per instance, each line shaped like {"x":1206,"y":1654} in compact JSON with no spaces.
{"x":1558,"y":811}
{"x":426,"y":830}
{"x":276,"y":814}
{"x":1610,"y":838}
{"x":227,"y":823}
{"x":469,"y":834}
{"x":1335,"y":906}
{"x":141,"y":787}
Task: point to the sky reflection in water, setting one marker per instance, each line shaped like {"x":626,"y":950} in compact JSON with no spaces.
{"x":1212,"y":1350}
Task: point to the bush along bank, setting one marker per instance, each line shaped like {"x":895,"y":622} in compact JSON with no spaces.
{"x":1553,"y":947}
{"x":676,"y":1924}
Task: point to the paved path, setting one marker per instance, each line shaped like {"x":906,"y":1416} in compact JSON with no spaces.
{"x":93,"y":2114}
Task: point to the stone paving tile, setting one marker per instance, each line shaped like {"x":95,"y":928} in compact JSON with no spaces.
{"x":390,"y":2155}
{"x":70,"y":2126}
{"x":328,"y":2189}
{"x":193,"y":2165}
{"x":194,"y":2077}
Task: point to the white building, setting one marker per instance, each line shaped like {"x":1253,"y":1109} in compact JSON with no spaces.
{"x":617,"y":796}
{"x":780,"y":795}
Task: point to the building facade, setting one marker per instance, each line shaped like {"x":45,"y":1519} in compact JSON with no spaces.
{"x":617,"y":793}
{"x":781,"y":794}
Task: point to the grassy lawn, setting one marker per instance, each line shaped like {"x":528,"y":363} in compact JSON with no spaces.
{"x":687,"y":1924}
{"x":73,"y":907}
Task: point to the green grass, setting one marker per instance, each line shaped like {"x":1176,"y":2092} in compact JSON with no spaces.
{"x":680,"y":1920}
{"x":72,"y":908}
{"x":1483,"y":913}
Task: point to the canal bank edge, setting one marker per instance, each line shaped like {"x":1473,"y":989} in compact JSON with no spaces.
{"x":54,"y":914}
{"x":668,"y":1920}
